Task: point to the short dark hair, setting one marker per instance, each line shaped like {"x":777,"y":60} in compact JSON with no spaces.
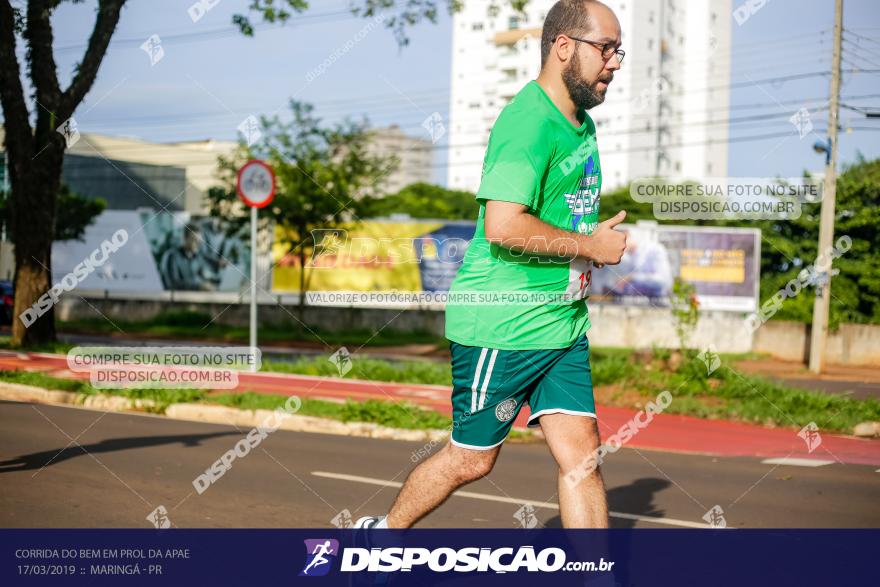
{"x":565,"y":18}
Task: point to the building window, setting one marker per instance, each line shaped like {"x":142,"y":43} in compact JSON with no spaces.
{"x":513,"y":23}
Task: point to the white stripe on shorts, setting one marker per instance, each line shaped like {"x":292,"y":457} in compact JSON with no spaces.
{"x":477,"y":381}
{"x":488,"y":376}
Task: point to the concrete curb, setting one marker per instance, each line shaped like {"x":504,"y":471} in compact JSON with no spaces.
{"x":214,"y":414}
{"x":106,"y":403}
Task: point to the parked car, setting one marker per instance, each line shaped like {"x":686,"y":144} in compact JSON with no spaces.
{"x":6,"y":291}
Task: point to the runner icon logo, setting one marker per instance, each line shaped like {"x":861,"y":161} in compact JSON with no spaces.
{"x":320,"y":554}
{"x":505,"y":410}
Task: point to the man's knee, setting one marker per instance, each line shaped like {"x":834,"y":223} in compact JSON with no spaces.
{"x":579,"y":448}
{"x":469,"y":465}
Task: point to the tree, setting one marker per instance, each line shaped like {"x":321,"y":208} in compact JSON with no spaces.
{"x":36,"y":153}
{"x":79,"y":213}
{"x":792,"y":246}
{"x":423,"y":200}
{"x":321,"y":171}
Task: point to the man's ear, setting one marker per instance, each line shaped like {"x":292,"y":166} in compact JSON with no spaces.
{"x":563,"y":47}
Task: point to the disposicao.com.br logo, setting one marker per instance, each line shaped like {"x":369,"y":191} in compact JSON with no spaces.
{"x":442,"y":560}
{"x":320,"y":554}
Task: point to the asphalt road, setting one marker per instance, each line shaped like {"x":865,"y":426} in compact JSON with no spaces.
{"x":71,"y":467}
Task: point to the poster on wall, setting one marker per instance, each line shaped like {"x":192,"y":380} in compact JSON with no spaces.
{"x":165,"y":251}
{"x":197,"y":253}
{"x":376,"y":255}
{"x":721,"y":263}
{"x":176,"y":251}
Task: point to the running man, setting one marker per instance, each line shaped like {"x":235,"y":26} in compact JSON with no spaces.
{"x":320,"y":559}
{"x":537,"y":233}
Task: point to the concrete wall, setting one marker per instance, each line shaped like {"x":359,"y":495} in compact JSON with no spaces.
{"x":613,"y":326}
{"x":851,"y":344}
{"x":232,"y":312}
{"x":639,"y":327}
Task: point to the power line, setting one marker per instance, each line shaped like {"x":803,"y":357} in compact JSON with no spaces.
{"x":216,"y":33}
{"x":866,"y":48}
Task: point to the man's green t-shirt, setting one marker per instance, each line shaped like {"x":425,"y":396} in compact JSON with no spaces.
{"x":538,"y":158}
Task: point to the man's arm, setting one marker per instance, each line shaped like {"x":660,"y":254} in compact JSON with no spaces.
{"x":511,"y":226}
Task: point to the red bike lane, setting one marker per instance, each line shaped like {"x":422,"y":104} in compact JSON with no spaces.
{"x":664,"y":432}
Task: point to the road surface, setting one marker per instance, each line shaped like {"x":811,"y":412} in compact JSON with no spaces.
{"x":71,"y":467}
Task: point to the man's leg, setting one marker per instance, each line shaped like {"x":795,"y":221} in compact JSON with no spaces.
{"x":433,"y":481}
{"x":572,"y":440}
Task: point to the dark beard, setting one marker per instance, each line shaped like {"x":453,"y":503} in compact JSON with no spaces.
{"x":585,"y":95}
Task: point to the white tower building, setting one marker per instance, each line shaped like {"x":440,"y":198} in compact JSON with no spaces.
{"x":664,"y":114}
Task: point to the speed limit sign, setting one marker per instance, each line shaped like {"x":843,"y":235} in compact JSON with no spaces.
{"x":256,"y":184}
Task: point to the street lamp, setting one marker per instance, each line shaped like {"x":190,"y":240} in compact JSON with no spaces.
{"x":824,"y":147}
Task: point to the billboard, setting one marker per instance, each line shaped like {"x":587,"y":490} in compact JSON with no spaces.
{"x":176,"y":251}
{"x":165,"y":251}
{"x":424,"y":256}
{"x":377,"y":256}
{"x":723,"y":264}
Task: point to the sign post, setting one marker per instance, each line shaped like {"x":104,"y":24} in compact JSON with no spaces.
{"x":255,"y":185}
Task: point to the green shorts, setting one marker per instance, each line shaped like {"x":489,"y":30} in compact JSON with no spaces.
{"x":490,"y":387}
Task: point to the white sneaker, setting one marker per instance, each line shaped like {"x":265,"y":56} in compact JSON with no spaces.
{"x":368,"y":521}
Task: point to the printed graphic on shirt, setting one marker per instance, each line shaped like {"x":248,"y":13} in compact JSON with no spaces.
{"x":584,"y":204}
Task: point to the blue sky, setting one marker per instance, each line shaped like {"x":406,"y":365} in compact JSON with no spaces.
{"x":211,"y":78}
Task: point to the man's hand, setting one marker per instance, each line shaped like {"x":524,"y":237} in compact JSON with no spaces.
{"x":512,"y":226}
{"x":606,"y":245}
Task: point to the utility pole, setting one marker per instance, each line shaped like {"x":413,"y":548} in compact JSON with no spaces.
{"x":822,"y":302}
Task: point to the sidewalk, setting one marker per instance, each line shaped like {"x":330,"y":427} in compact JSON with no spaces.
{"x":665,"y":432}
{"x":853,"y":381}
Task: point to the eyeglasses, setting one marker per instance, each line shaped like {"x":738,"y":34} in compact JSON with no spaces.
{"x":607,"y":49}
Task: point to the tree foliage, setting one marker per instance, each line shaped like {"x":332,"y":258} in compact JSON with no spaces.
{"x":398,"y":15}
{"x":422,"y":200}
{"x":321,"y":171}
{"x":79,"y":213}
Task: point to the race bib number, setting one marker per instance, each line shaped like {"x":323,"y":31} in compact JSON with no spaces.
{"x":580,"y":276}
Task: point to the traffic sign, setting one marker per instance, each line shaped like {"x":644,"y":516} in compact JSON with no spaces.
{"x":255,"y":184}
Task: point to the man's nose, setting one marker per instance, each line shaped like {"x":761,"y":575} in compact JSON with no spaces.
{"x":612,"y":64}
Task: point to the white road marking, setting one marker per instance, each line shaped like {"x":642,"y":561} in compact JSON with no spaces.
{"x":795,"y":462}
{"x":513,"y":500}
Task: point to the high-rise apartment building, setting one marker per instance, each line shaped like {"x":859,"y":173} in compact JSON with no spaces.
{"x":665,"y":113}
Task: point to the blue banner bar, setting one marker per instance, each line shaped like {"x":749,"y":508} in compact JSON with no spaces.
{"x":428,"y":557}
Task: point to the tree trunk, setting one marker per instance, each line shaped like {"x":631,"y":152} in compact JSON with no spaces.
{"x":35,"y":184}
{"x":302,"y":285}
